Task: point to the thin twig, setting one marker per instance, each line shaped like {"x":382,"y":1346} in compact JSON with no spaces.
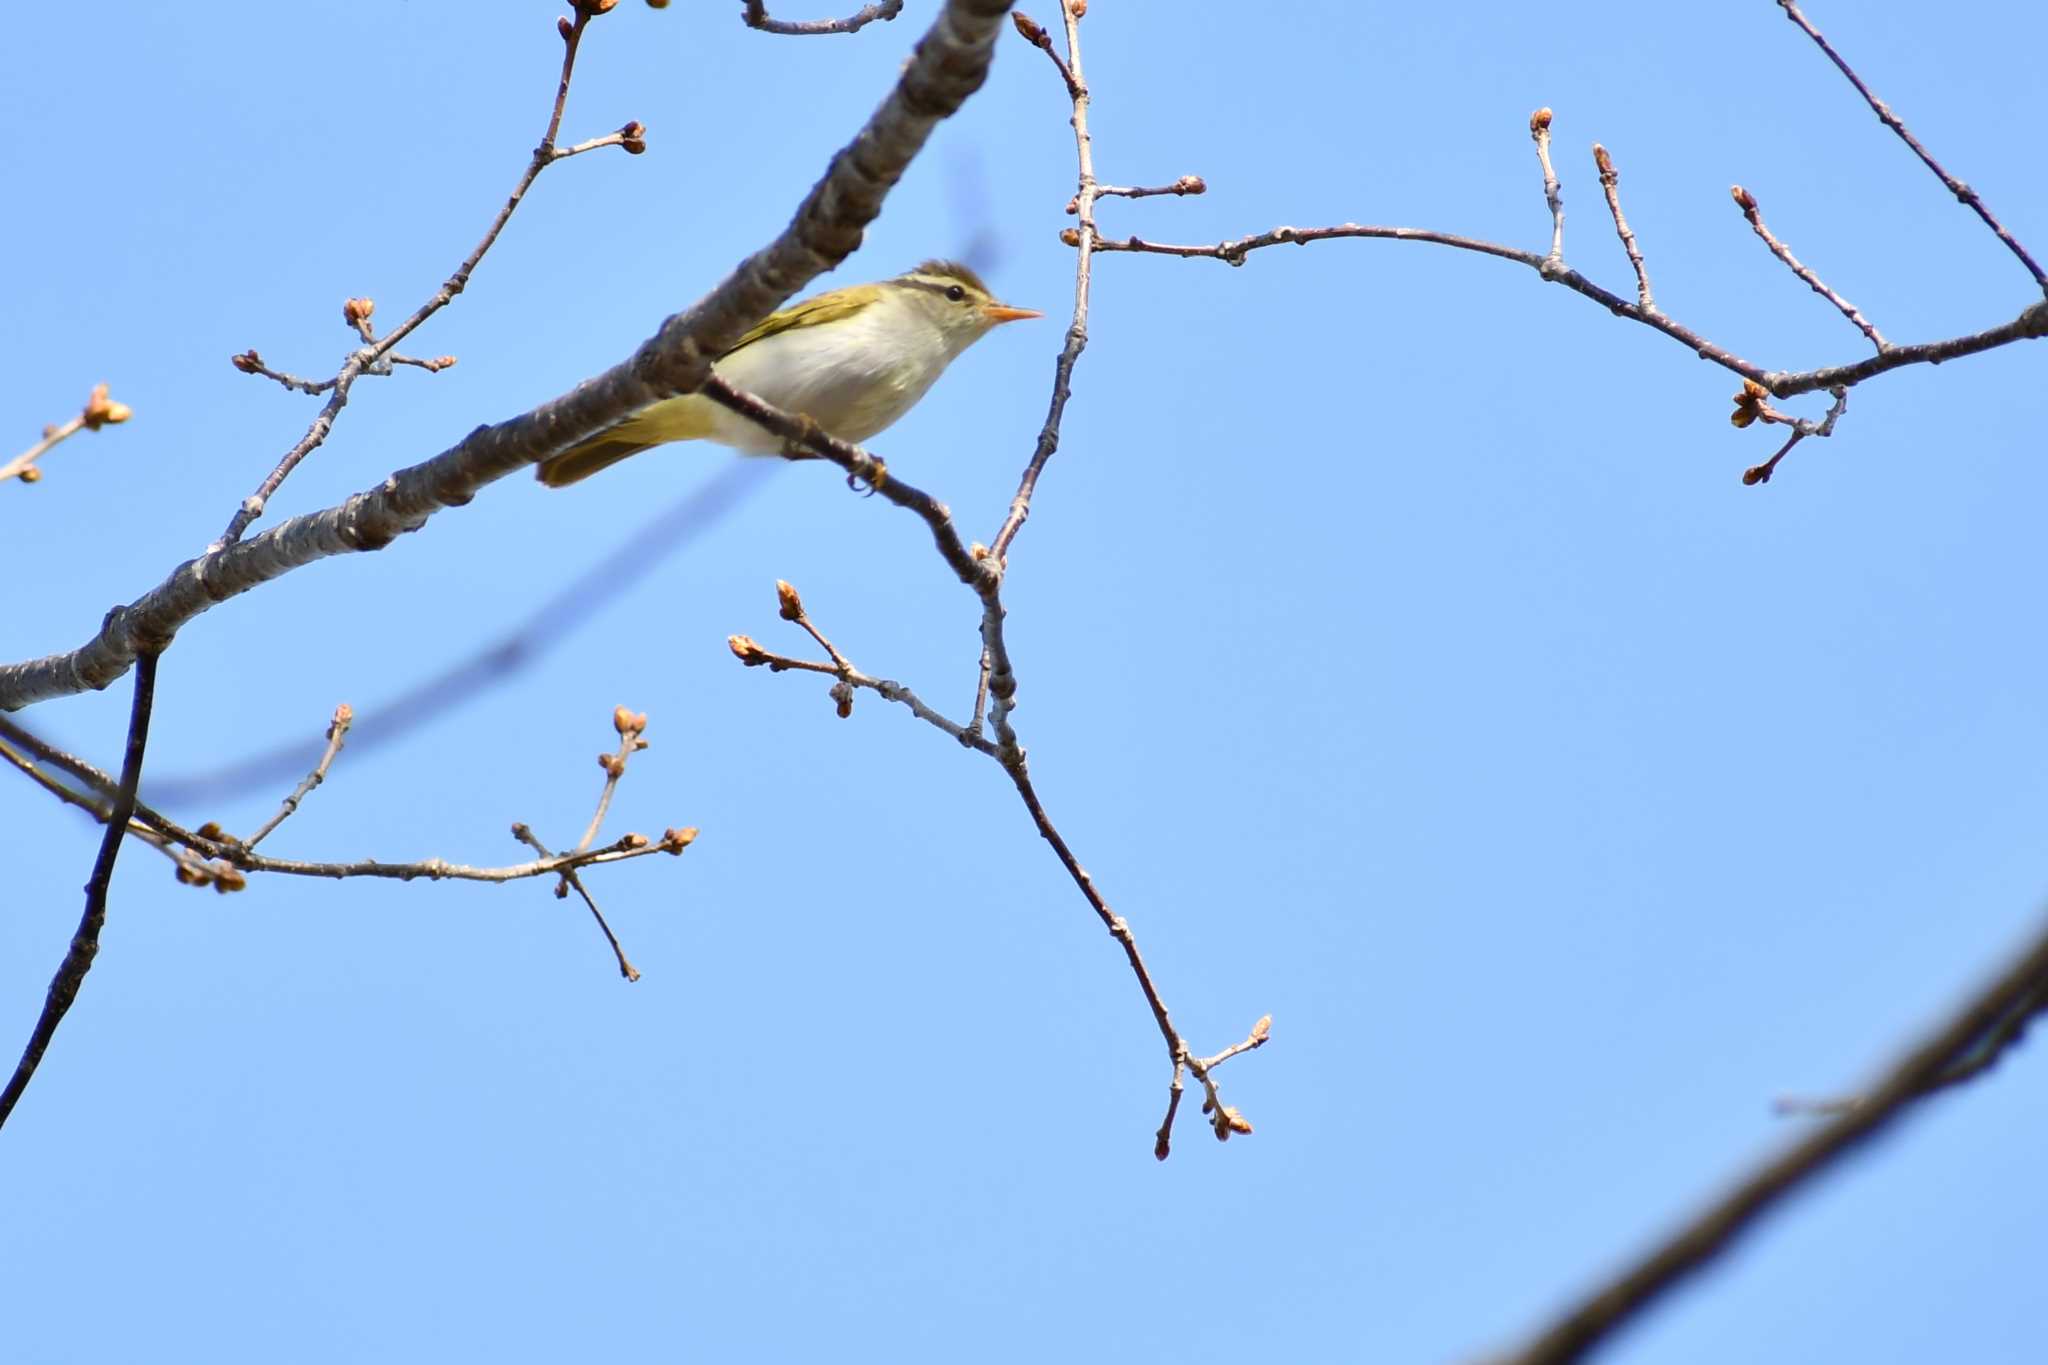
{"x":749,"y":652}
{"x":1750,"y":210}
{"x":1034,"y":33}
{"x":631,"y":726}
{"x":85,"y":943}
{"x":1539,"y":132}
{"x":374,"y":351}
{"x":1714,"y":1229}
{"x":337,"y":731}
{"x":1892,"y":121}
{"x":99,"y":411}
{"x":755,"y":15}
{"x":1186,"y":185}
{"x":1610,"y":183}
{"x":1750,"y":406}
{"x":525,"y":835}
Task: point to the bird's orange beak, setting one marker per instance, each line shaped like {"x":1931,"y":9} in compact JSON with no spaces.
{"x":1002,"y":312}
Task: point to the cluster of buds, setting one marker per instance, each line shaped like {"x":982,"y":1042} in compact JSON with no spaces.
{"x":675,"y":840}
{"x":633,"y":137}
{"x":1750,"y":404}
{"x":102,"y":411}
{"x":219,"y":874}
{"x":248,"y":362}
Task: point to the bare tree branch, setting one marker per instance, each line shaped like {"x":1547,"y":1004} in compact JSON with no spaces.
{"x":950,"y":64}
{"x":1892,"y":121}
{"x":85,"y":943}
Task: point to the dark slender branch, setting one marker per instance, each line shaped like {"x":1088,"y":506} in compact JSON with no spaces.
{"x":1714,"y":1229}
{"x":1892,"y":121}
{"x":755,"y":15}
{"x":85,"y":943}
{"x":1750,"y":210}
{"x":949,"y":65}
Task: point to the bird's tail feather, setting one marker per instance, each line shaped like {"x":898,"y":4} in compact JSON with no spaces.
{"x":678,"y":419}
{"x":579,"y":462}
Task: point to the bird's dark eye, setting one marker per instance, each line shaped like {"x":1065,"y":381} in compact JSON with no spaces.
{"x":955,"y":292}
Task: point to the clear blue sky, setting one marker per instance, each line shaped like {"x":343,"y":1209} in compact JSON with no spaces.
{"x":1398,"y":648}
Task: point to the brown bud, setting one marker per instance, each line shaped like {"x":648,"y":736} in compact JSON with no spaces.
{"x":1262,"y":1030}
{"x":1237,"y":1122}
{"x":1743,"y":198}
{"x":192,"y":874}
{"x":1033,"y":31}
{"x":842,"y":698}
{"x":792,"y":606}
{"x":1539,"y":122}
{"x":633,"y":137}
{"x":101,"y":411}
{"x":30,"y":475}
{"x":676,"y":840}
{"x":657,"y":4}
{"x":745,"y":650}
{"x":1756,"y":474}
{"x":1077,"y":8}
{"x":211,"y":830}
{"x":1070,"y":236}
{"x":344,"y":714}
{"x":356,"y":312}
{"x":593,"y":8}
{"x":622,"y":720}
{"x":1608,"y":176}
{"x":612,"y":764}
{"x":634,"y":840}
{"x":443,"y":362}
{"x":565,"y":28}
{"x":248,"y":362}
{"x":228,"y":878}
{"x":1191,"y":184}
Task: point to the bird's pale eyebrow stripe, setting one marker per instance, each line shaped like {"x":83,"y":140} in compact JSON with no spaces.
{"x":917,"y":282}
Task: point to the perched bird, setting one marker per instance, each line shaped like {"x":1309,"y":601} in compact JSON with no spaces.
{"x":852,"y":360}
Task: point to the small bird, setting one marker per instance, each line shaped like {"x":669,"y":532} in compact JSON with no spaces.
{"x":853,"y":360}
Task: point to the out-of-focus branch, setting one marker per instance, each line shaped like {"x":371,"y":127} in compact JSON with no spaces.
{"x":950,"y":64}
{"x":2021,"y":985}
{"x":376,"y":355}
{"x":85,"y":943}
{"x":1892,"y":121}
{"x":754,"y":14}
{"x":497,"y":661}
{"x":99,"y":411}
{"x":1750,"y":210}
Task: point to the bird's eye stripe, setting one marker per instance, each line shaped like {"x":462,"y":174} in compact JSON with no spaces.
{"x":951,"y":291}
